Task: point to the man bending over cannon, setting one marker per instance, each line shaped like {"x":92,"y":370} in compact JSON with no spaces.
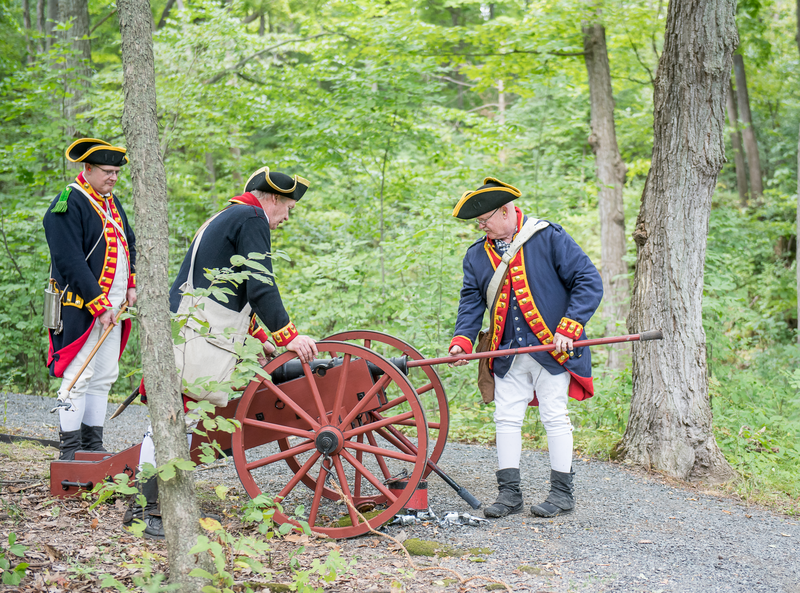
{"x":240,"y":229}
{"x":547,"y":293}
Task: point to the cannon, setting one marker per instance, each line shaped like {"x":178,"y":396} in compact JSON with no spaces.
{"x":369,"y":409}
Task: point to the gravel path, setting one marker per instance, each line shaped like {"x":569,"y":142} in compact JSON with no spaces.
{"x":630,"y":531}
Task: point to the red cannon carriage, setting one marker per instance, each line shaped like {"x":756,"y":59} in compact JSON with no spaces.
{"x":371,"y":408}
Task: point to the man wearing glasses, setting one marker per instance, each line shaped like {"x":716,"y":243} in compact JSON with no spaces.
{"x":548,"y":293}
{"x":93,"y":256}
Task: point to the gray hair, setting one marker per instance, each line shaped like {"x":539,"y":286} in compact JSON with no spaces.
{"x":263,"y":195}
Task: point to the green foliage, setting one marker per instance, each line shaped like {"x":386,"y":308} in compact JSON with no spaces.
{"x":392,"y":111}
{"x":12,"y":574}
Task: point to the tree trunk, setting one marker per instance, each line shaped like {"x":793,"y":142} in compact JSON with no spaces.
{"x":750,"y":142}
{"x":236,"y":152}
{"x":26,"y":22}
{"x":177,"y":496}
{"x":52,"y":17}
{"x":611,"y":178}
{"x":78,"y":62}
{"x":164,"y":15}
{"x":670,"y":421}
{"x":40,"y":16}
{"x":738,"y":151}
{"x":212,"y":175}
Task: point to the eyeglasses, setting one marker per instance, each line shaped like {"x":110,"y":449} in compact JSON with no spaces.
{"x":108,"y":173}
{"x":485,"y":220}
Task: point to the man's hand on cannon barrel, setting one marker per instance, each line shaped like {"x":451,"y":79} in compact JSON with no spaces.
{"x":562,"y":343}
{"x":304,"y":347}
{"x":455,"y":351}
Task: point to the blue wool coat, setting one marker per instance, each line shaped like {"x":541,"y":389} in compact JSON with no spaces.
{"x":565,"y":288}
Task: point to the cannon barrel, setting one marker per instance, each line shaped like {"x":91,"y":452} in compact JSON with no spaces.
{"x":294,"y":368}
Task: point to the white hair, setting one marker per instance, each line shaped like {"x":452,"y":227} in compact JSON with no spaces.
{"x":263,"y":195}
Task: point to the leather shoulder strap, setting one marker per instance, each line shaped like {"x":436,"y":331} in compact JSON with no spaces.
{"x":528,"y":230}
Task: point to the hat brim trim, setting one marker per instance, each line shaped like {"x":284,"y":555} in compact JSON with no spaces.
{"x":96,"y":148}
{"x":280,"y":189}
{"x":264,"y":170}
{"x":82,"y":141}
{"x":513,"y":189}
{"x":467,"y":195}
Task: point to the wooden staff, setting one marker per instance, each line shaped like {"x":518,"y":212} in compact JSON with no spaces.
{"x":648,"y":335}
{"x":91,"y":355}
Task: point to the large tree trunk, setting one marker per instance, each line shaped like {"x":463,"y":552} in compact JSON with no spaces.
{"x":177,"y":496}
{"x":611,"y":177}
{"x":78,"y":62}
{"x":738,"y":151}
{"x":670,"y":421}
{"x":750,"y":142}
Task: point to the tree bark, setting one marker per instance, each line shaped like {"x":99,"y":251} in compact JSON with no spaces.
{"x":212,"y":175}
{"x":40,"y":16}
{"x":78,"y":61}
{"x":164,"y":15}
{"x":738,"y":151}
{"x":26,"y":22}
{"x":52,"y":17}
{"x":670,"y":421}
{"x":236,"y":152}
{"x":610,"y":172}
{"x":139,"y":122}
{"x":750,"y":142}
{"x":797,"y":216}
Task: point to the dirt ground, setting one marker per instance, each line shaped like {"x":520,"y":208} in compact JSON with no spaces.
{"x":631,"y":532}
{"x":71,"y":547}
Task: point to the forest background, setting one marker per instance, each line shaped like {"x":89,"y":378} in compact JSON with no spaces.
{"x":391,"y":110}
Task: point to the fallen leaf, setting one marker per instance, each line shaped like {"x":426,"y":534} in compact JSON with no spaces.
{"x":785,"y":535}
{"x":724,"y":511}
{"x":296,"y":538}
{"x":644,"y":541}
{"x":95,"y":523}
{"x":210,"y":524}
{"x":51,"y":551}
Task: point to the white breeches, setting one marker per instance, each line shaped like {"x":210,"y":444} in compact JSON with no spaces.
{"x":513,"y":393}
{"x":147,"y":454}
{"x":89,"y":396}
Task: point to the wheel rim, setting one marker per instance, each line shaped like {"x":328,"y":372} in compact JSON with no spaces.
{"x":358,"y":440}
{"x":431,"y":393}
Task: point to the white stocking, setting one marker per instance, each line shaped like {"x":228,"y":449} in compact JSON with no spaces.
{"x":560,"y":449}
{"x":509,"y":449}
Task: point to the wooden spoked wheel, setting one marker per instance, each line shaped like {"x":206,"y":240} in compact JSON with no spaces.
{"x":425,"y":380}
{"x":331,"y":423}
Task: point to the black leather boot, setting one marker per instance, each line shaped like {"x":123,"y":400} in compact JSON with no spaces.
{"x":92,"y":438}
{"x":509,"y":500}
{"x":560,"y":499}
{"x":69,"y":442}
{"x":150,"y":514}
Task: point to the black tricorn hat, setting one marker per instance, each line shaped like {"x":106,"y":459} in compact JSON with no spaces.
{"x":274,"y":182}
{"x":96,"y":152}
{"x":490,"y":196}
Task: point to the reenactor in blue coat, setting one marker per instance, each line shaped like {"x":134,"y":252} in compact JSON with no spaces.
{"x":93,"y":256}
{"x":550,"y":291}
